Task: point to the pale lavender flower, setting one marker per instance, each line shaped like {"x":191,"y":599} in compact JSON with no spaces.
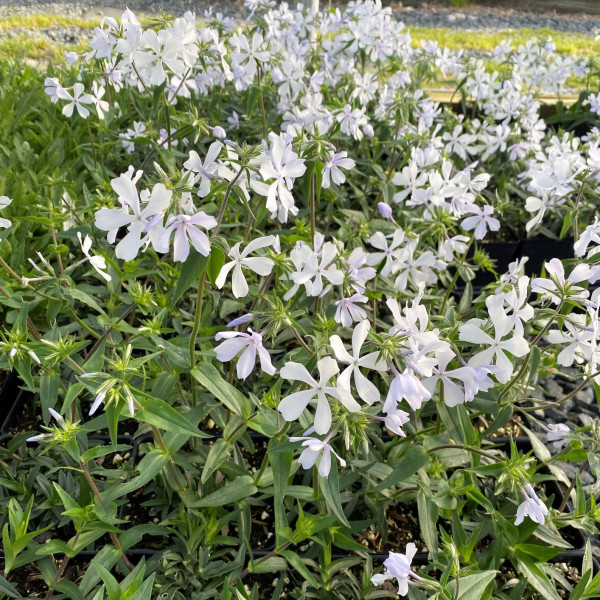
{"x":315,"y":448}
{"x":186,"y":231}
{"x":251,"y":344}
{"x":348,"y":311}
{"x":532,"y":507}
{"x":332,"y":168}
{"x":481,"y":222}
{"x":558,"y":433}
{"x":398,"y":567}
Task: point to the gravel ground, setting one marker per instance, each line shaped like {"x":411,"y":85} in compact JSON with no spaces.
{"x":468,"y":18}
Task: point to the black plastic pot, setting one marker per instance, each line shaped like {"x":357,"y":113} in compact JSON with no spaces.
{"x":541,"y":250}
{"x":13,"y":401}
{"x":502,"y":253}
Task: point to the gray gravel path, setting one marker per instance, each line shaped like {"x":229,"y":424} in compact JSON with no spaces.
{"x":471,"y":18}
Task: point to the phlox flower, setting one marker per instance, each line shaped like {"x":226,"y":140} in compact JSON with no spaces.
{"x":52,"y":86}
{"x":395,"y":420}
{"x":357,"y":270}
{"x":558,"y":434}
{"x":367,"y":391}
{"x":347,"y":311}
{"x":558,"y":285}
{"x":398,"y":567}
{"x":532,"y":507}
{"x":315,"y":267}
{"x":136,"y":221}
{"x":577,"y":335}
{"x":496,"y":347}
{"x":315,"y":448}
{"x":481,"y":221}
{"x":392,"y":252}
{"x":187,"y":230}
{"x":4,"y":202}
{"x":282,"y":166}
{"x":291,"y":406}
{"x":251,"y":344}
{"x":333,"y":166}
{"x":405,"y":386}
{"x":206,"y":170}
{"x":77,"y":100}
{"x":261,"y":265}
{"x":453,"y":394}
{"x":98,"y":262}
{"x":102,"y":106}
{"x":138,"y":131}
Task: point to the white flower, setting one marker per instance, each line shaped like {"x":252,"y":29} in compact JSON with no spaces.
{"x":207,"y":170}
{"x":347,"y":311}
{"x":314,"y":447}
{"x":578,"y":337}
{"x":532,"y":507}
{"x":332,"y":168}
{"x":398,"y":567}
{"x":367,"y":391}
{"x":282,"y":166}
{"x":52,"y":86}
{"x":137,"y":131}
{"x":77,"y":100}
{"x":558,"y":286}
{"x":291,"y":406}
{"x":316,"y":267}
{"x":558,"y":433}
{"x":497,"y":347}
{"x":98,"y":262}
{"x":259,"y":264}
{"x":187,"y":230}
{"x":405,"y":386}
{"x":4,"y":202}
{"x":101,"y":105}
{"x":251,"y":343}
{"x":111,"y":220}
{"x":395,"y":420}
{"x":392,"y":253}
{"x":481,"y":222}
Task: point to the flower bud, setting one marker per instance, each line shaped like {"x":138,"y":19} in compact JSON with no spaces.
{"x":385,"y":210}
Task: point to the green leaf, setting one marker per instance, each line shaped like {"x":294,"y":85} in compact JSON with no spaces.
{"x":86,"y":299}
{"x":471,"y":587}
{"x":191,"y":271}
{"x":144,"y":592}
{"x":536,"y":578}
{"x":216,"y":457}
{"x":428,"y":515}
{"x":215,"y":263}
{"x":330,"y":487}
{"x":281,"y":464}
{"x":416,"y":458}
{"x":160,"y":414}
{"x":538,"y":552}
{"x":238,"y":489}
{"x":296,"y":562}
{"x":112,"y":586}
{"x":48,"y":393}
{"x":150,"y":466}
{"x":8,"y":589}
{"x":208,"y":376}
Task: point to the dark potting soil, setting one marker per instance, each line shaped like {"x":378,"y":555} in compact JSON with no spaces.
{"x":403,"y":528}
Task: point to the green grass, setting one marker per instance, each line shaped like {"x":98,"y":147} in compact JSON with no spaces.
{"x":43,"y":21}
{"x":36,"y":48}
{"x":39,"y":48}
{"x":568,"y":43}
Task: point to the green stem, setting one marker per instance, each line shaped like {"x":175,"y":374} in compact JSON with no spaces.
{"x":89,"y":130}
{"x":523,"y":368}
{"x":456,"y":275}
{"x":194,"y":334}
{"x":463,"y":447}
{"x":262,"y":103}
{"x":168,"y":119}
